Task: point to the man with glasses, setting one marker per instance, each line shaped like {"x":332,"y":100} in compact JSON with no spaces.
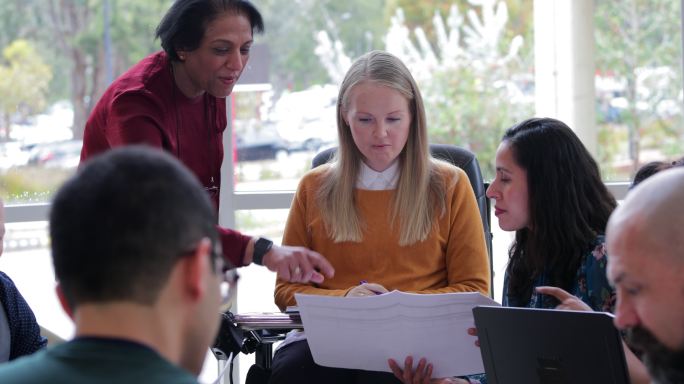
{"x":138,"y":264}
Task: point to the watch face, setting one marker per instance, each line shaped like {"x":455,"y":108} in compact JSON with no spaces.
{"x":264,"y":244}
{"x":261,"y":247}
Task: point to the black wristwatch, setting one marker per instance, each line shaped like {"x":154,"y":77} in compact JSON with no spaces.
{"x":261,"y":247}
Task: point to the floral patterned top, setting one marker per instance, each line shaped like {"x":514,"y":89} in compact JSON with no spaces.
{"x":591,"y":286}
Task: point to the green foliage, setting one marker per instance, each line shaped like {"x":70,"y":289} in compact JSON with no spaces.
{"x":657,"y":131}
{"x":24,"y":80}
{"x":638,"y":42}
{"x":291,"y":31}
{"x":472,"y":77}
{"x":133,"y":26}
{"x":18,"y":20}
{"x":672,"y":148}
{"x":70,"y":33}
{"x":471,"y":114}
{"x":611,"y":142}
{"x":31,"y":184}
{"x":421,"y":13}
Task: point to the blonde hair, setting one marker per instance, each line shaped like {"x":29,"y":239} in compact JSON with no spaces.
{"x":420,"y":195}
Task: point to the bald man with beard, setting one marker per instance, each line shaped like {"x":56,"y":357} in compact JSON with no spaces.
{"x":645,"y":238}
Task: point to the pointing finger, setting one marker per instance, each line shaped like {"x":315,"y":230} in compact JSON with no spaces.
{"x":556,"y":292}
{"x":321,"y":264}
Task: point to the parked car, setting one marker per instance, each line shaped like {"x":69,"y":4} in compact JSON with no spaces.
{"x":310,"y":128}
{"x":60,"y":154}
{"x":310,"y":135}
{"x":260,"y":144}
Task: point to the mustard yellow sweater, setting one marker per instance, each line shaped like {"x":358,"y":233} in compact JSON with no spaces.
{"x":453,"y":258}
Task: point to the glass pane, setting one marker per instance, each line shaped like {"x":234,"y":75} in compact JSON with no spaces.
{"x":55,"y":62}
{"x":475,"y":72}
{"x":256,"y":284}
{"x":638,"y":84}
{"x":26,"y":260}
{"x":34,"y":164}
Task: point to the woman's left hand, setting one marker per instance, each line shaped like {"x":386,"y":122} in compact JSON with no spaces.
{"x":421,"y":375}
{"x":567,"y":301}
{"x":367,"y":290}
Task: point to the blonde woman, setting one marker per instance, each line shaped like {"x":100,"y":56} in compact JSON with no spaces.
{"x":384,"y":212}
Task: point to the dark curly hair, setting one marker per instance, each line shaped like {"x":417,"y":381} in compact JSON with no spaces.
{"x":569,"y":206}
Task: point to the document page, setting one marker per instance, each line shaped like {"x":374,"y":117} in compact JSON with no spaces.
{"x":363,"y":332}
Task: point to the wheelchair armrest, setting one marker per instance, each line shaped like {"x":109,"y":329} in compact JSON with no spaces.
{"x":253,"y":332}
{"x":268,"y":321}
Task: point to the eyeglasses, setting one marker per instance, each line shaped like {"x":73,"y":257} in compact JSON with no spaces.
{"x":229,"y":278}
{"x":228,"y":290}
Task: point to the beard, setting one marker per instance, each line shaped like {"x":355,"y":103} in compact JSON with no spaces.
{"x":666,"y":366}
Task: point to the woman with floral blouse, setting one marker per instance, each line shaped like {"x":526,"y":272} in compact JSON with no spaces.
{"x":548,"y":189}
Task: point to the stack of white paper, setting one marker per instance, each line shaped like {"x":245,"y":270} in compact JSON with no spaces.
{"x":363,"y":332}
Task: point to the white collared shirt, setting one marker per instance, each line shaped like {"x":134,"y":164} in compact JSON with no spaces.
{"x":378,"y":181}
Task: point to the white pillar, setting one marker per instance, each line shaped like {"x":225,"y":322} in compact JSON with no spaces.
{"x":227,"y":203}
{"x":227,"y":216}
{"x":564,"y":65}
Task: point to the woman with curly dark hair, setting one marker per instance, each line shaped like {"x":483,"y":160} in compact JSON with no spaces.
{"x":548,"y":190}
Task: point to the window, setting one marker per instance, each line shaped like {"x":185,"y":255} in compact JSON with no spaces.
{"x":638,"y":84}
{"x":475,"y":65}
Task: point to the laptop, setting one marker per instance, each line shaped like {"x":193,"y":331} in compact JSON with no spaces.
{"x":545,"y":346}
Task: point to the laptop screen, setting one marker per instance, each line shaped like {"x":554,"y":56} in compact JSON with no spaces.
{"x":523,"y":345}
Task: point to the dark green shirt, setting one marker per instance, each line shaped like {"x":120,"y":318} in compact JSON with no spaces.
{"x":94,"y":360}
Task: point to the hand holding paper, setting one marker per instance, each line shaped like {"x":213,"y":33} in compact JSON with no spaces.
{"x":364,"y":334}
{"x":366,"y":289}
{"x":422,"y":374}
